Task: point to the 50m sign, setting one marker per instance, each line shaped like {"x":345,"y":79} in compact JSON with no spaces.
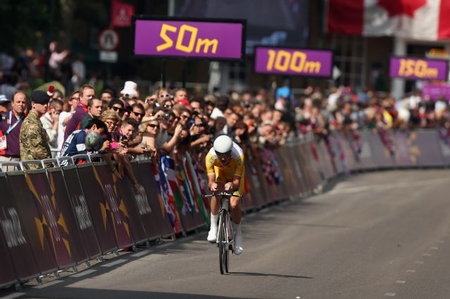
{"x":196,"y":39}
{"x":286,"y":61}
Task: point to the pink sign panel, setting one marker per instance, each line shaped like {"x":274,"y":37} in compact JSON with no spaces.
{"x":288,"y":61}
{"x":209,"y":38}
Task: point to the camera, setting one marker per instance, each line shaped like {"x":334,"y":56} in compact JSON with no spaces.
{"x":2,"y":117}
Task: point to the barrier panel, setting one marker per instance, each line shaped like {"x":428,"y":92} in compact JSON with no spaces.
{"x":406,"y":151}
{"x":156,"y":222}
{"x":366,"y":161}
{"x":98,"y":208}
{"x":383,"y":153}
{"x":84,"y":220}
{"x":51,"y":218}
{"x":65,"y":217}
{"x":430,"y":151}
{"x":15,"y":252}
{"x":113,"y":205}
{"x":8,"y":273}
{"x":35,"y":225}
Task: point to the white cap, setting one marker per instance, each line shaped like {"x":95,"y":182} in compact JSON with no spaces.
{"x":4,"y":99}
{"x":130,"y":89}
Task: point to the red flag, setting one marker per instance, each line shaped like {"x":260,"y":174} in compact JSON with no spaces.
{"x":121,"y":14}
{"x":418,"y":19}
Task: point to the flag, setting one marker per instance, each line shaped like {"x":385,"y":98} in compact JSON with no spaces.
{"x":121,"y":14}
{"x":414,"y":19}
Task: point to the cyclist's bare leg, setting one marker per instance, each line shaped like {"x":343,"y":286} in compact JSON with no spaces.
{"x":235,"y":204}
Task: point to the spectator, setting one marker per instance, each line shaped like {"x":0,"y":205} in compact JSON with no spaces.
{"x":11,"y":128}
{"x":95,"y":108}
{"x":50,"y":121}
{"x":33,"y":138}
{"x":5,"y":105}
{"x":75,"y":144}
{"x":107,"y":95}
{"x":86,"y":92}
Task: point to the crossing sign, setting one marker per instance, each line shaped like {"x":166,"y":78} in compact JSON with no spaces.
{"x":108,"y":40}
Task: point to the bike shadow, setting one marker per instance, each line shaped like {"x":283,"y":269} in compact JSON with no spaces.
{"x":268,"y":275}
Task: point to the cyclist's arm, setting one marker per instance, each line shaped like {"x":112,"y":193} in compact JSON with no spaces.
{"x":236,"y":182}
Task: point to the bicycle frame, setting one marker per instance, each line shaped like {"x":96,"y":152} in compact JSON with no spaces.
{"x":225,"y":233}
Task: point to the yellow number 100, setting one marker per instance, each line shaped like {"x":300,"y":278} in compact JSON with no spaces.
{"x":297,"y":62}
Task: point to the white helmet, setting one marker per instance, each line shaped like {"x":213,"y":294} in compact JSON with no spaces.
{"x":223,"y":144}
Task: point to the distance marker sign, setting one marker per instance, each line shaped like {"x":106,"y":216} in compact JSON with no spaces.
{"x":292,"y":61}
{"x":418,"y":69}
{"x":198,"y":38}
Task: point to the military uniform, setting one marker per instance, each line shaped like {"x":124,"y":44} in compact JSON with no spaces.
{"x":33,"y":140}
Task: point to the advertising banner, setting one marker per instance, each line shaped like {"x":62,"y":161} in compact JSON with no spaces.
{"x":135,"y":202}
{"x":418,"y":68}
{"x":66,"y":217}
{"x":429,"y":149}
{"x":12,"y":238}
{"x":98,"y":208}
{"x":436,"y":91}
{"x":197,"y":38}
{"x":38,"y":231}
{"x":293,"y":62}
{"x":113,"y":205}
{"x":84,"y":219}
{"x":155,"y":224}
{"x":50,"y":218}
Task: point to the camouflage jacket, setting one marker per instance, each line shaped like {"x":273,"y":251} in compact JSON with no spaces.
{"x":33,"y":140}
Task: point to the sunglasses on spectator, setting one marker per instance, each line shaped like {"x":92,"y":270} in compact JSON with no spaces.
{"x":118,"y":109}
{"x":153,"y":126}
{"x":167,"y":106}
{"x":169,"y":96}
{"x":138,"y":114}
{"x":184,"y":116}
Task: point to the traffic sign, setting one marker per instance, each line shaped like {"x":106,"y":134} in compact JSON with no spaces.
{"x":108,"y":40}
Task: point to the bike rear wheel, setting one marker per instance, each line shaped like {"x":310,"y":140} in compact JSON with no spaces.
{"x":223,"y":242}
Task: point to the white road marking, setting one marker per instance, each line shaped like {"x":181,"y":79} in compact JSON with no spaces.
{"x":419,"y":262}
{"x":13,"y":295}
{"x":434,"y":248}
{"x":117,"y":262}
{"x":47,"y":284}
{"x":84,"y":273}
{"x":390,"y":294}
{"x":411,"y":271}
{"x":427,"y":254}
{"x":400,"y":281}
{"x":139,"y":254}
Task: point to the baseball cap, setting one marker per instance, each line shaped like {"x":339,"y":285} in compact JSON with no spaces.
{"x":4,"y":99}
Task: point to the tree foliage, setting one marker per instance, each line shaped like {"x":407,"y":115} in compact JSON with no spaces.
{"x":31,"y":24}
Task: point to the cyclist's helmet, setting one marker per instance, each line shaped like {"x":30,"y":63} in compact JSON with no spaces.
{"x":223,"y":145}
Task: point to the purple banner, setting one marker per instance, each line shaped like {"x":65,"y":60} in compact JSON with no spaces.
{"x":195,"y":39}
{"x":297,"y":62}
{"x":435,"y":91}
{"x":420,"y":69}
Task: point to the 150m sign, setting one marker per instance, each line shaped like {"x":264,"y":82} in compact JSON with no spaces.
{"x":302,"y":62}
{"x":419,"y":69}
{"x":198,"y":39}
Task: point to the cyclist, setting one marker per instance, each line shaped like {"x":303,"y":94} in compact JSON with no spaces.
{"x":225,"y":169}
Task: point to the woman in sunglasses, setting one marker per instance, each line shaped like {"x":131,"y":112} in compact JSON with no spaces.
{"x":162,"y":95}
{"x":149,"y":131}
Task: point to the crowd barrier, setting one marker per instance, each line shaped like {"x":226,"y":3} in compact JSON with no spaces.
{"x":56,"y":218}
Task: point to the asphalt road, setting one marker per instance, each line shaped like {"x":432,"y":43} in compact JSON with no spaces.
{"x":372,"y":235}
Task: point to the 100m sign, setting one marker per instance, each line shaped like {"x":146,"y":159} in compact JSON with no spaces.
{"x":186,"y":40}
{"x":296,"y":61}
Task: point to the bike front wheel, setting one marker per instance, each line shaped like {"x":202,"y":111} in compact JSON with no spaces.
{"x":223,"y":243}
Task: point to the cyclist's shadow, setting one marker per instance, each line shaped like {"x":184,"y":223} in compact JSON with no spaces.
{"x":268,"y":274}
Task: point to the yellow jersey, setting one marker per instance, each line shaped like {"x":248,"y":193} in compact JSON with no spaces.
{"x":225,"y":173}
